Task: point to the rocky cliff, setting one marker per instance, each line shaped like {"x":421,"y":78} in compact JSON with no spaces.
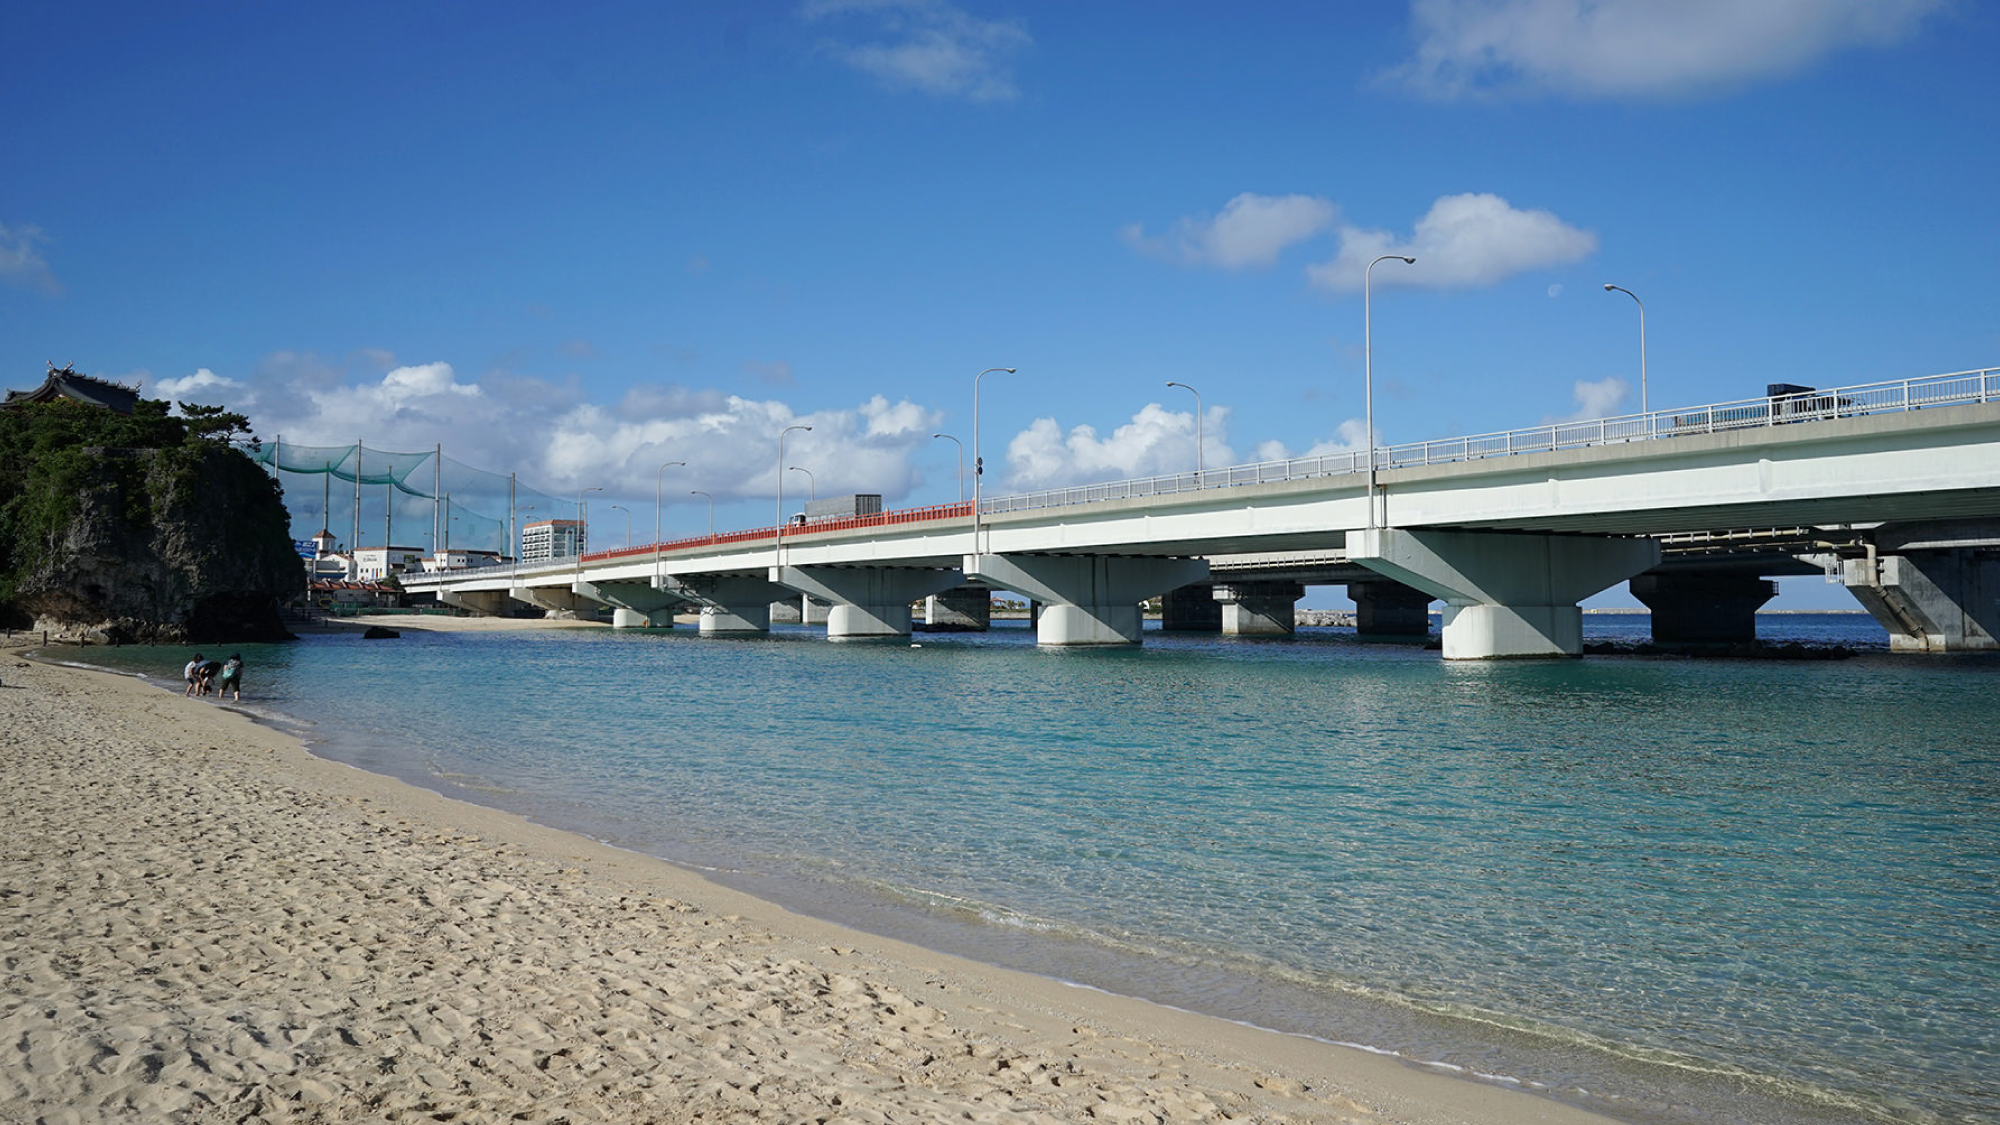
{"x":185,"y":541}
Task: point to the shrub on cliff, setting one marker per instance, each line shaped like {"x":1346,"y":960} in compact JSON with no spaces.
{"x":141,"y":526}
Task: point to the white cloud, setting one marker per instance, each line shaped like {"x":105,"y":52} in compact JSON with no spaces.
{"x":189,"y":386}
{"x":1252,"y":230}
{"x":930,"y":46}
{"x":557,"y":441}
{"x":1635,"y":48}
{"x":21,"y":261}
{"x":1156,"y":442}
{"x":1462,"y":241}
{"x":1600,"y":399}
{"x":1348,"y":437}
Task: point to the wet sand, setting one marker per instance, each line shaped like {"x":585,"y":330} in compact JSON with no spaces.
{"x":200,"y":922}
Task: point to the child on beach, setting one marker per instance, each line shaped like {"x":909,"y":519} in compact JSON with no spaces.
{"x":204,"y":676}
{"x":192,"y":673}
{"x":232,"y":677}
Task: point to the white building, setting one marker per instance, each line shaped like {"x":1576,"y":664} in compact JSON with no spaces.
{"x":462,"y":560}
{"x":372,"y":564}
{"x":328,"y":562}
{"x":551,"y":539}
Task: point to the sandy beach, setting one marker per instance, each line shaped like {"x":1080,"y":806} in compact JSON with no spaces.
{"x":201,"y":922}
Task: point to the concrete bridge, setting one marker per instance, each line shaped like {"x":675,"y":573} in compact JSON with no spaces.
{"x":1890,"y":488}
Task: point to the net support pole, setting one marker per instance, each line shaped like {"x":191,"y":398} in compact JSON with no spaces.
{"x":354,"y":548}
{"x":437,"y":490}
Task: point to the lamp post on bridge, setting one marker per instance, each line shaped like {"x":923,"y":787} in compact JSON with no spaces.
{"x":778,"y":550}
{"x":657,"y":478}
{"x":582,"y":526}
{"x":978,"y":463}
{"x":1368,"y":367}
{"x":811,"y":484}
{"x":1198,"y":440}
{"x":711,"y":511}
{"x":1644,"y":406}
{"x":961,"y":463}
{"x":628,"y":523}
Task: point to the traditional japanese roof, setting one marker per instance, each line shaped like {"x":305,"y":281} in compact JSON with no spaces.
{"x":67,"y":383}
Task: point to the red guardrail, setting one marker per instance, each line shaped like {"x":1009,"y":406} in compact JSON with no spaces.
{"x":792,"y":531}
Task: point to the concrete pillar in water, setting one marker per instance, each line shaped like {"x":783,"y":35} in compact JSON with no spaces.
{"x":733,"y":603}
{"x":1191,"y":609}
{"x":961,"y":607}
{"x":1388,"y":610}
{"x":1931,"y":601}
{"x":1258,"y":609}
{"x":1086,"y":599}
{"x":813,"y":611}
{"x":867,"y":601}
{"x":634,"y":605}
{"x":1696,"y":607}
{"x":1505,"y":593}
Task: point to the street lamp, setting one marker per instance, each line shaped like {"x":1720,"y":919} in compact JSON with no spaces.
{"x":978,"y":465}
{"x":779,"y":548}
{"x":711,"y":510}
{"x":628,"y":523}
{"x":961,"y":463}
{"x":657,"y":478}
{"x":1197,"y":425}
{"x":811,"y":485}
{"x":1644,"y":408}
{"x":582,"y":524}
{"x":1368,"y":368}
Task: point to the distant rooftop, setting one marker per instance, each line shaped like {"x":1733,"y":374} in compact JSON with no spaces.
{"x":67,"y":382}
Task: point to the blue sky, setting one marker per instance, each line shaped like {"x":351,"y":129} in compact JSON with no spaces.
{"x":575,"y":242}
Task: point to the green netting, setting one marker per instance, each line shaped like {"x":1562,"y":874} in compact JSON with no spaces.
{"x":376,"y":497}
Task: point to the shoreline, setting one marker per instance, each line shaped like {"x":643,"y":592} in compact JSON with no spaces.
{"x":431,"y":957}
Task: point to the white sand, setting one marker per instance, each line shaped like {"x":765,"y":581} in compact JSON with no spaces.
{"x":199,"y":922}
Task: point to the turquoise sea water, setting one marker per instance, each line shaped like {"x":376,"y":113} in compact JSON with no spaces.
{"x":1672,"y":890}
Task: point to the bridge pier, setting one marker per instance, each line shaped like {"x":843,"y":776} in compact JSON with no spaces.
{"x":634,"y":605}
{"x":1387,"y":610}
{"x":961,"y":607}
{"x":491,"y":603}
{"x":732,"y":603}
{"x":1506,"y":593}
{"x":1086,"y":599}
{"x":868,"y":601}
{"x":1191,"y":609}
{"x":1695,"y":607}
{"x":1931,"y":601}
{"x":1257,"y":609}
{"x":556,"y":603}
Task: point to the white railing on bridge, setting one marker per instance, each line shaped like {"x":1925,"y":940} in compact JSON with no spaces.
{"x":1803,"y":405}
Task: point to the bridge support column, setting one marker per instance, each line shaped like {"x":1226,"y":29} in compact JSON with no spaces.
{"x":1086,"y":599}
{"x":556,"y":602}
{"x":1697,"y":608}
{"x":967,"y":608}
{"x":732,"y":603}
{"x":868,"y":601}
{"x":1258,"y":609}
{"x":491,"y":603}
{"x":1931,"y":601}
{"x":634,"y":605}
{"x":1385,"y":609}
{"x":1191,"y":609}
{"x":1506,"y":594}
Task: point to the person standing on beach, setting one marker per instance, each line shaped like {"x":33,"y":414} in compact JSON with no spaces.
{"x":232,"y":677}
{"x":192,"y":673}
